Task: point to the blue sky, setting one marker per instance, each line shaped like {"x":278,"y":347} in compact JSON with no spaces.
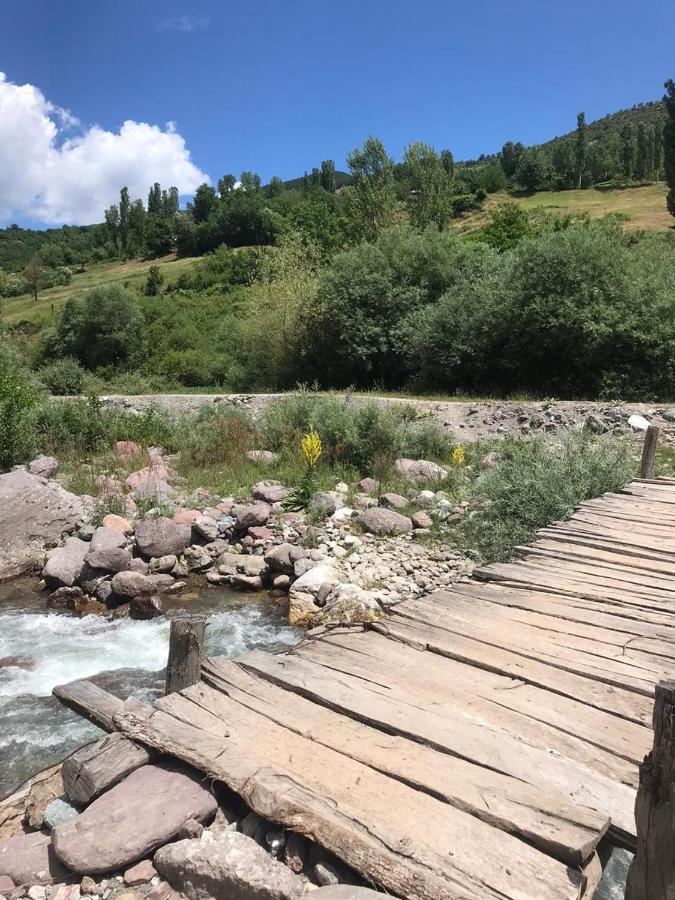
{"x":278,"y":86}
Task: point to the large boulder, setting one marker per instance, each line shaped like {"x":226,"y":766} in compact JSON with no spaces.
{"x":226,"y":865}
{"x":128,"y":822}
{"x":252,"y":514}
{"x":309,"y":592}
{"x":394,"y":501}
{"x":161,"y":537}
{"x":107,"y":550}
{"x":29,"y":859}
{"x":44,"y":466}
{"x":348,"y":604}
{"x":128,"y":585}
{"x":384,"y":521}
{"x":64,"y":565}
{"x":34,"y":513}
{"x":420,"y":470}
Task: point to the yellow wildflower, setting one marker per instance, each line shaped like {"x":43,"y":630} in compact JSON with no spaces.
{"x":458,"y":456}
{"x":310,"y":449}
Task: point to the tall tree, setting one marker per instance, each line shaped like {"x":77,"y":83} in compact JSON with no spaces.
{"x":669,"y":144}
{"x":125,"y":205}
{"x":448,"y":162}
{"x":203,"y":203}
{"x":429,"y":201}
{"x":226,"y":185}
{"x":509,"y":157}
{"x":641,"y":155}
{"x":155,"y":200}
{"x":371,"y":199}
{"x":250,"y":182}
{"x":533,"y":169}
{"x":328,"y":175}
{"x":627,"y":152}
{"x":651,"y":151}
{"x":581,"y":148}
{"x":658,"y":150}
{"x":170,"y":203}
{"x":136,"y":232}
{"x":112,"y":224}
{"x":34,"y":276}
{"x":275,"y":187}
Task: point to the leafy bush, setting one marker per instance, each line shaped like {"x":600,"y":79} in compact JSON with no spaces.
{"x":539,"y":482}
{"x":63,"y":377}
{"x":17,"y":397}
{"x":216,"y":435}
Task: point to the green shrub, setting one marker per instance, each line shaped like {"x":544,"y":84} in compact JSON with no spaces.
{"x":63,"y":377}
{"x":216,"y":435}
{"x":17,"y":398}
{"x":537,"y":483}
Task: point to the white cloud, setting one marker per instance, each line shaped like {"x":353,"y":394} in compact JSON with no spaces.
{"x":184,"y":23}
{"x":55,"y":176}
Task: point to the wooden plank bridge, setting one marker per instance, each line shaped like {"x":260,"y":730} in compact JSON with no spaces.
{"x":479,"y":742}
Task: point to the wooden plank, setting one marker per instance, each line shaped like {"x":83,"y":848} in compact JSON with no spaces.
{"x":568,"y":832}
{"x":93,"y":769}
{"x":532,"y":715}
{"x":632,"y":706}
{"x":403,"y":839}
{"x":469,"y":739}
{"x":90,"y":701}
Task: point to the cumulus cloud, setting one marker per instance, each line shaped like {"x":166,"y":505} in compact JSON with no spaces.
{"x":54,"y":170}
{"x":184,"y":23}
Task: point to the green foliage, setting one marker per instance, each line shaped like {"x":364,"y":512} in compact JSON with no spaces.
{"x":539,"y":482}
{"x":370,"y":201}
{"x":429,"y":199}
{"x":217,"y":436}
{"x":154,"y":281}
{"x":669,"y":143}
{"x":17,"y":398}
{"x":509,"y":225}
{"x":63,"y":377}
{"x":100,"y":328}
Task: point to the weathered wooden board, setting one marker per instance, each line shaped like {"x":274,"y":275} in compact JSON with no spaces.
{"x":568,"y":832}
{"x":93,"y":769}
{"x":90,"y":701}
{"x":406,"y":840}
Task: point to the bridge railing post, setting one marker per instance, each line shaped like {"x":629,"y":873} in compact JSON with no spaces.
{"x":186,"y":651}
{"x":652,"y":872}
{"x":649,"y":452}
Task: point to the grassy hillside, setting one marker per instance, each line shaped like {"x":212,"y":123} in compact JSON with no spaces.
{"x":24,"y":308}
{"x":601,"y":129}
{"x":642,"y":207}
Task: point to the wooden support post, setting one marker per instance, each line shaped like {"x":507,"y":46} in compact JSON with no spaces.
{"x":652,"y":873}
{"x":649,"y":452}
{"x":186,"y":648}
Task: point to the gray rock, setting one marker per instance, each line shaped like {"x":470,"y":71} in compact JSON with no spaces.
{"x":326,"y":874}
{"x":134,"y":584}
{"x":393,"y":501}
{"x":58,"y":812}
{"x":109,"y":559}
{"x":107,"y":539}
{"x":197,"y":559}
{"x":326,"y":502}
{"x":162,"y":537}
{"x":132,"y":819}
{"x":64,"y":565}
{"x":246,"y":582}
{"x":29,"y":859}
{"x":206,"y":528}
{"x":144,"y":608}
{"x":419,"y":470}
{"x":266,"y":457}
{"x":367,"y":485}
{"x":253,"y":514}
{"x":345,"y":892}
{"x":281,"y":582}
{"x":226,"y":865}
{"x":162,"y":564}
{"x":269,"y":492}
{"x":614,"y":875}
{"x":303,"y":565}
{"x":304,"y":592}
{"x":86,"y":532}
{"x":44,"y":466}
{"x":33,"y":514}
{"x":253,"y":565}
{"x":384,"y":521}
{"x":348,"y":604}
{"x":279,"y":559}
{"x":154,"y":489}
{"x":669,"y":414}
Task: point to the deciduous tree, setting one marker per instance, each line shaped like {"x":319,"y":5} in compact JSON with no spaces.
{"x":371,"y":199}
{"x":669,"y":144}
{"x":581,"y":148}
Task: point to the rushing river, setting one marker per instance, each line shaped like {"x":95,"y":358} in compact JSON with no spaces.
{"x":55,"y":647}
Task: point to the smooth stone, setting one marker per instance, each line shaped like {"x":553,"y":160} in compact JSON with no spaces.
{"x":384,"y":521}
{"x":162,"y":537}
{"x":44,"y":466}
{"x":29,"y":859}
{"x":64,"y":564}
{"x":58,"y":812}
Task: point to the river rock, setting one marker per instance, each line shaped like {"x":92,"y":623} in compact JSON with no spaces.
{"x":348,"y":604}
{"x":186,"y":516}
{"x":638,"y":423}
{"x":145,"y":608}
{"x":226,"y":865}
{"x":29,"y":859}
{"x":246,"y":582}
{"x":155,"y":489}
{"x":266,"y":457}
{"x":261,"y":533}
{"x":64,"y":565}
{"x":393,"y":501}
{"x":133,"y":584}
{"x":279,"y":559}
{"x":384,"y":521}
{"x":162,"y":564}
{"x":304,"y":593}
{"x":162,"y":537}
{"x":422,"y":519}
{"x":44,"y":466}
{"x":205,"y":528}
{"x":132,"y":819}
{"x":58,"y":812}
{"x":326,"y":503}
{"x":252,"y":514}
{"x":269,"y":492}
{"x":119,"y":523}
{"x":107,"y":550}
{"x":197,"y":559}
{"x":367,"y":485}
{"x":669,"y":414}
{"x":141,"y":873}
{"x":34,"y":513}
{"x":419,"y":469}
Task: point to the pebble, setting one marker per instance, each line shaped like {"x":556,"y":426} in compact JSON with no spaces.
{"x":326,"y":874}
